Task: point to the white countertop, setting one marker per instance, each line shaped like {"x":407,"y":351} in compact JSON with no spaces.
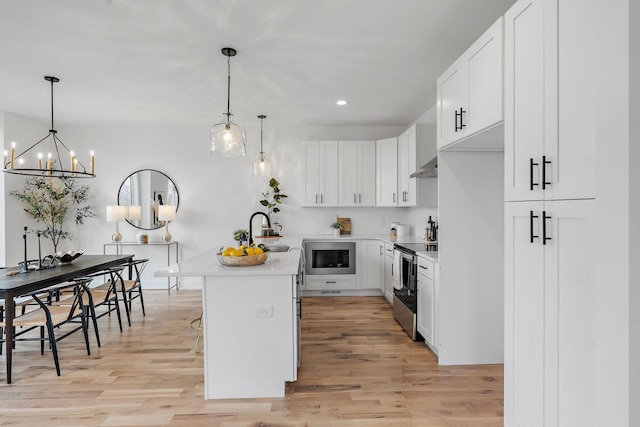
{"x":207,"y":264}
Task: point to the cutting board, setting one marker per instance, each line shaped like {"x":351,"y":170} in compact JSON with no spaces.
{"x":346,"y":226}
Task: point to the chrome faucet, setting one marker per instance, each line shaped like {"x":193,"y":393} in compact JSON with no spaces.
{"x":251,"y":224}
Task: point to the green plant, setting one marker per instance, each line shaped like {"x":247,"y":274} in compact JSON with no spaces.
{"x":241,"y":235}
{"x":273,"y":197}
{"x":52,"y":201}
{"x":336,"y":225}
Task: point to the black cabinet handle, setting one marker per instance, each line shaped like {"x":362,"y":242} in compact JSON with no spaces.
{"x":545,"y":162}
{"x":329,"y":282}
{"x":531,"y":235}
{"x":394,"y":197}
{"x":423,"y":267}
{"x":321,"y":199}
{"x":354,"y":198}
{"x":544,"y":227}
{"x":459,"y":114}
{"x":316,"y":198}
{"x":531,"y":165}
{"x":359,"y":198}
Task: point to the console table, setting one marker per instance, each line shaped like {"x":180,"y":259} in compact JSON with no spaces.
{"x":167,"y":245}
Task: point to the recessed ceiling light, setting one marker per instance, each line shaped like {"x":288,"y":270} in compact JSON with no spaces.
{"x":341,"y":102}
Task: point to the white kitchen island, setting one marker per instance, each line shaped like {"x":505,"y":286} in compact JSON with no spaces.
{"x":250,"y":323}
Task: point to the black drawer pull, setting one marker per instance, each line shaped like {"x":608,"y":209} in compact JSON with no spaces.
{"x":531,"y":235}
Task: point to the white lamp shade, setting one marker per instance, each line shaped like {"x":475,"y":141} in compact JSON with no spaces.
{"x":116,"y":213}
{"x":166,"y":212}
{"x":228,"y":139}
{"x":134,"y":213}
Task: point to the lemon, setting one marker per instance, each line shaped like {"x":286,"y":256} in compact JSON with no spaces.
{"x":250,"y":251}
{"x":258,"y":251}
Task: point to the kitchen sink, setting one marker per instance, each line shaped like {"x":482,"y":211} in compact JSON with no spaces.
{"x":277,"y":248}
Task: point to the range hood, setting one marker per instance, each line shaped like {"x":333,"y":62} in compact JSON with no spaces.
{"x":428,"y":170}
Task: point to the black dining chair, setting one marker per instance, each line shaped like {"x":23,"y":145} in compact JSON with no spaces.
{"x":52,"y":317}
{"x":131,"y":288}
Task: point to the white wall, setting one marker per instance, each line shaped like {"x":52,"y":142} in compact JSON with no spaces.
{"x":634,"y":212}
{"x":612,"y":265}
{"x":217,"y":195}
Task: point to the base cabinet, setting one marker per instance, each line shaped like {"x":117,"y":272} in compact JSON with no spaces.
{"x":369,"y":267}
{"x":426,"y":300}
{"x":550,"y":306}
{"x":388,"y":272}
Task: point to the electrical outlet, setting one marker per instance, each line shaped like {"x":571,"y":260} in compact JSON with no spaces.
{"x":262,"y":311}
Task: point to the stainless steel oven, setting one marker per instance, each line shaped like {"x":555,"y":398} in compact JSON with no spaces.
{"x":328,"y":257}
{"x":405,"y":295}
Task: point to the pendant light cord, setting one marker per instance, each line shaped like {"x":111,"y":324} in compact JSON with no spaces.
{"x":261,"y":150}
{"x":53,"y":129}
{"x":228,"y":88}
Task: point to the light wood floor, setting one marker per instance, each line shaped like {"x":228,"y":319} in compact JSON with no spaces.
{"x":358,"y":369}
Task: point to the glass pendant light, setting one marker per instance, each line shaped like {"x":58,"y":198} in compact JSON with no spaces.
{"x":227,"y":138}
{"x":262,"y":165}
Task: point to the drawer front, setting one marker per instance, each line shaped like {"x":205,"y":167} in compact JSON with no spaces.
{"x":329,"y":283}
{"x":426,"y":267}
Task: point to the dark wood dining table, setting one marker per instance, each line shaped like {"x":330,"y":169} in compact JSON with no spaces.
{"x":13,"y":285}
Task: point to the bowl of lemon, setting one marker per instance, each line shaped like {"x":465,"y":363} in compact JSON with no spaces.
{"x":243,"y":256}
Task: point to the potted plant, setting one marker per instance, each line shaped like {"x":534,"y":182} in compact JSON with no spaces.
{"x":273,"y":198}
{"x":336,"y":227}
{"x":53,"y":201}
{"x":241,"y":235}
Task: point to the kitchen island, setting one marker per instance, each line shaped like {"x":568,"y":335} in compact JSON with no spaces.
{"x":250,"y":323}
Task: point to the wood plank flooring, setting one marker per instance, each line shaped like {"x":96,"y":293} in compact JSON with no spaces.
{"x":358,"y":368}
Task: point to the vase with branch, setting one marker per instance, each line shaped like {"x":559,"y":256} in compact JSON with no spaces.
{"x":52,"y":202}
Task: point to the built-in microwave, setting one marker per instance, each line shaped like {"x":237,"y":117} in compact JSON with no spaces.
{"x":329,"y":257}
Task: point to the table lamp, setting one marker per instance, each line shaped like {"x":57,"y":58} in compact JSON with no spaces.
{"x":166,"y":213}
{"x":116,"y":214}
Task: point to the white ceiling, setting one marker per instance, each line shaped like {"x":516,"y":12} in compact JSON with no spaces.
{"x":160,"y":60}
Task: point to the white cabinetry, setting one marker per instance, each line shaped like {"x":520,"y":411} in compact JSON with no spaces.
{"x":551,"y":298}
{"x":470,"y":91}
{"x":327,"y":283}
{"x":369,"y":267}
{"x":407,"y":164}
{"x":426,"y":300}
{"x":321,"y":173}
{"x":387,"y":172}
{"x":388,"y":272}
{"x":549,"y":118}
{"x":550,"y":301}
{"x":357,"y":173}
{"x":416,"y":146}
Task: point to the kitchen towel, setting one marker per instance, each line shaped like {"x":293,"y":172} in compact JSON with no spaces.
{"x":395,"y":270}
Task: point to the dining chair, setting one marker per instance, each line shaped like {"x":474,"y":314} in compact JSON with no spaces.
{"x":131,"y":288}
{"x":52,"y":317}
{"x":96,"y":296}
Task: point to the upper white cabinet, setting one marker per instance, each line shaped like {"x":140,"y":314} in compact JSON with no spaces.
{"x":470,"y":91}
{"x":549,"y":105}
{"x":321,"y":177}
{"x":407,"y":164}
{"x":387,"y":172}
{"x":357,"y":173}
{"x":416,"y":146}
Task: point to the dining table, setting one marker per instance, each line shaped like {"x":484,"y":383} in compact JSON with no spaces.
{"x":14,"y":282}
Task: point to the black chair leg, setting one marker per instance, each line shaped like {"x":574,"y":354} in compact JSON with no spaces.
{"x":42,"y":339}
{"x":117,"y":311}
{"x":54,"y":347}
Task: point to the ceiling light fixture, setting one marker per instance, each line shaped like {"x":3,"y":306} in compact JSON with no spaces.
{"x":341,"y":102}
{"x":55,"y":165}
{"x":262,"y":165}
{"x":227,"y":138}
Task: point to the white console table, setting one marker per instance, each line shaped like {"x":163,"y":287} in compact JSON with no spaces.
{"x":167,"y":245}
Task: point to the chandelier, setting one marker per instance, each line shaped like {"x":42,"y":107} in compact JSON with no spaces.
{"x":60,"y":162}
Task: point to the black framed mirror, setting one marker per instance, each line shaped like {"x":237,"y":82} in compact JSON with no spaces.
{"x":147,"y":188}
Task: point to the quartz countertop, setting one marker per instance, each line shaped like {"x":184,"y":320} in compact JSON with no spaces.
{"x":207,"y":264}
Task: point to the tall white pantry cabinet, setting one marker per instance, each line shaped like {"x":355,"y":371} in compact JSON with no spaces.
{"x":550,"y":291}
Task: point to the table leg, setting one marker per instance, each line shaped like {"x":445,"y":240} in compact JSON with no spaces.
{"x":8,"y":319}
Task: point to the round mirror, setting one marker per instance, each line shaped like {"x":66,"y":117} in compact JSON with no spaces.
{"x":148,"y":189}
